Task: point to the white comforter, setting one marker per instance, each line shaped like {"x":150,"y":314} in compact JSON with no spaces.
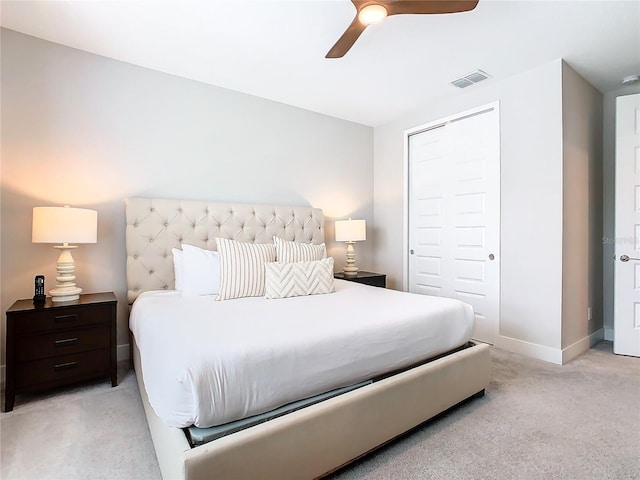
{"x":208,"y":362}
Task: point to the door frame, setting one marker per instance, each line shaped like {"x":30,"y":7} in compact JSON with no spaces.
{"x":405,"y":196}
{"x":622,"y":343}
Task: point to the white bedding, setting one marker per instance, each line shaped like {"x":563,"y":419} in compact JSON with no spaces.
{"x":208,"y":362}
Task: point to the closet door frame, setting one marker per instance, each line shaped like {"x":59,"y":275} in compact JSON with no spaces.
{"x":406,"y":187}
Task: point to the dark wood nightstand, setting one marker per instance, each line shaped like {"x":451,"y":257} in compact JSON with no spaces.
{"x":368,"y":278}
{"x":56,"y":344}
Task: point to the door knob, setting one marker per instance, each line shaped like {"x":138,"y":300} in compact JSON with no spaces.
{"x":491,"y":256}
{"x":626,"y":258}
{"x":411,"y":251}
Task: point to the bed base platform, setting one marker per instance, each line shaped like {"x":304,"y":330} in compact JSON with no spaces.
{"x":319,"y":439}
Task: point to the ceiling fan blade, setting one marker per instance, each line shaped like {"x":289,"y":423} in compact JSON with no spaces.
{"x":348,"y":38}
{"x":429,"y":6}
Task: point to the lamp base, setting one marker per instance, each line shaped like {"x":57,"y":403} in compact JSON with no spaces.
{"x":350,"y":269}
{"x":66,"y":290}
{"x":65,"y":294}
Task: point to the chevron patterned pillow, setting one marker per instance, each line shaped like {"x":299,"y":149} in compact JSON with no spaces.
{"x":285,"y":280}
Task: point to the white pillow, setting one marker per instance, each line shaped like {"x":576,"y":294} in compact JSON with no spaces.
{"x":289,"y":252}
{"x":178,"y":268}
{"x":201,"y":271}
{"x":242,"y":268}
{"x":285,"y":280}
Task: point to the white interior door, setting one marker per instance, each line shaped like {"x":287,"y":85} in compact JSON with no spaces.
{"x":626,"y":336}
{"x":454,"y":214}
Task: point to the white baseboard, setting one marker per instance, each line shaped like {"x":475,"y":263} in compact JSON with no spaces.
{"x":122,"y":352}
{"x":541,"y":352}
{"x":596,"y":337}
{"x":608,"y":334}
{"x":581,"y":346}
{"x":548,"y":354}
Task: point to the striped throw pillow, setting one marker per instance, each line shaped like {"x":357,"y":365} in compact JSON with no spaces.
{"x":242,"y":268}
{"x":289,"y":252}
{"x":285,"y":280}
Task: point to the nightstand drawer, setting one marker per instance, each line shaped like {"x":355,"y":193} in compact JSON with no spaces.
{"x":61,"y":343}
{"x":62,"y":369}
{"x":54,"y":344}
{"x":62,"y":318}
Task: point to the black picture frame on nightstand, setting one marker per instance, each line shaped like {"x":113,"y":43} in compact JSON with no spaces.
{"x":366,"y":278}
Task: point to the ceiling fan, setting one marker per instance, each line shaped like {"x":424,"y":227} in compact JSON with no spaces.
{"x":374,"y":11}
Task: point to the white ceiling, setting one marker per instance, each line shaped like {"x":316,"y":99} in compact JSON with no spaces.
{"x":275,"y":48}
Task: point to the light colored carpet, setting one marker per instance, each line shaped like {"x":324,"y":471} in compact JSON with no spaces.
{"x":537,"y":421}
{"x":91,"y":431}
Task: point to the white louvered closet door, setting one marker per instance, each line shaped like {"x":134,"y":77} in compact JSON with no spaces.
{"x":454,"y":214}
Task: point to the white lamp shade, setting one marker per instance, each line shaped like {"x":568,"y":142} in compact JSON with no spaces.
{"x":64,"y":225}
{"x":350,"y":230}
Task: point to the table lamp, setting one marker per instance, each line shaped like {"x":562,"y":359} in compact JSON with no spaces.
{"x":64,"y":225}
{"x":350,"y":231}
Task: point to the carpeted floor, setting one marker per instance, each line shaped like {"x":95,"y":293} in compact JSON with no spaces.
{"x":88,"y":432}
{"x":537,"y":421}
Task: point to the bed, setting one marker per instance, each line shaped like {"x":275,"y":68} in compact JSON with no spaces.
{"x":420,"y":381}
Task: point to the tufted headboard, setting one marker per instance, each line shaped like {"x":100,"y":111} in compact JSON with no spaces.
{"x":155,"y":226}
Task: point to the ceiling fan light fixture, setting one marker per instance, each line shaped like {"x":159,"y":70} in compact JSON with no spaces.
{"x":373,"y":13}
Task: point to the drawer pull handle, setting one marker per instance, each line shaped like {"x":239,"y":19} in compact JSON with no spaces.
{"x":66,"y":318}
{"x":64,"y":366}
{"x":65,"y":342}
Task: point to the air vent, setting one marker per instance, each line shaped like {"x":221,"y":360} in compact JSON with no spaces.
{"x":462,"y":82}
{"x":470,"y":79}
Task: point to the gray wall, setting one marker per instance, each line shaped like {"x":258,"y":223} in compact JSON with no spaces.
{"x":582,"y":208}
{"x":531,"y":196}
{"x":531,"y":119}
{"x":608,"y":208}
{"x":87,"y":131}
